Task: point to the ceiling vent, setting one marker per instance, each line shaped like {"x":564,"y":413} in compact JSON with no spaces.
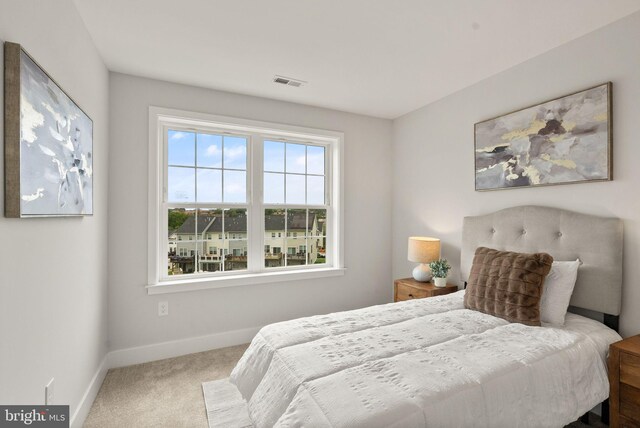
{"x":288,"y":81}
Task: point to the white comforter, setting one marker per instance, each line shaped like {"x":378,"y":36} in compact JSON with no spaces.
{"x":426,"y":362}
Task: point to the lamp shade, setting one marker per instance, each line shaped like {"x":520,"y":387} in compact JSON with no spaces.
{"x":423,"y":249}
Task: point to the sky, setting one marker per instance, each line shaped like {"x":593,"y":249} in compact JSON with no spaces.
{"x":199,"y":158}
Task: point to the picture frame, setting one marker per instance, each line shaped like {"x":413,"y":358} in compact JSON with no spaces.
{"x":564,"y":140}
{"x":48,"y":143}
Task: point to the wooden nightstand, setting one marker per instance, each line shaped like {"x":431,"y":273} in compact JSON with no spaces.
{"x":409,"y":288}
{"x":624,"y":381}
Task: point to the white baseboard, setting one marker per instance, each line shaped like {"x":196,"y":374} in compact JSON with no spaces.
{"x":176,"y":348}
{"x":82,"y":411}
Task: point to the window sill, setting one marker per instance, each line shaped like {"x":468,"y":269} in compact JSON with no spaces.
{"x":193,"y":284}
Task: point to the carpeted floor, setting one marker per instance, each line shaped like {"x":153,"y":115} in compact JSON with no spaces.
{"x":168,"y":393}
{"x":165,"y":393}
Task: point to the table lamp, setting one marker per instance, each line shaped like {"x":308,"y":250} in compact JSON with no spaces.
{"x":423,"y":250}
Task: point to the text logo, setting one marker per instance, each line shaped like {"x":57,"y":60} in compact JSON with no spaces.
{"x":34,"y":416}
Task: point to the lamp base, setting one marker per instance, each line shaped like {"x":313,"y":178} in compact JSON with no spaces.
{"x":422,"y":273}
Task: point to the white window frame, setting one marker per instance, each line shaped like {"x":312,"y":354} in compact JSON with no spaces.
{"x":256,"y":273}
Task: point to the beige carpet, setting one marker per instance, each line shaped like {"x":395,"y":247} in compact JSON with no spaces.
{"x":165,"y":393}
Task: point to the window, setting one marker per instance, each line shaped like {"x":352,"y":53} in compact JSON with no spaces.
{"x":295,"y":197}
{"x":236,"y":180}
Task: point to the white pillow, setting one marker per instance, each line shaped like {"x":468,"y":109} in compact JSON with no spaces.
{"x":558,"y":287}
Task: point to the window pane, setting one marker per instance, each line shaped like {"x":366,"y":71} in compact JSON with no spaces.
{"x":181,"y":148}
{"x":273,"y":237}
{"x":295,"y":189}
{"x":235,"y":186}
{"x":235,"y":152}
{"x":181,"y":185}
{"x":296,"y":221}
{"x":296,"y":252}
{"x":273,"y":156}
{"x":235,"y":226}
{"x":273,"y":188}
{"x":210,"y":150}
{"x":296,"y":240}
{"x":315,"y":190}
{"x":317,"y":240}
{"x":209,"y":245}
{"x":317,"y":253}
{"x":296,"y":158}
{"x":315,"y":160}
{"x":181,"y":227}
{"x":209,"y":185}
{"x":317,"y":222}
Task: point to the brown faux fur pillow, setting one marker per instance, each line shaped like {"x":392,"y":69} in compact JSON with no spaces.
{"x":507,"y":285}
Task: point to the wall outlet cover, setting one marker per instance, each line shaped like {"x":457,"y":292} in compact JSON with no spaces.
{"x":163,"y":309}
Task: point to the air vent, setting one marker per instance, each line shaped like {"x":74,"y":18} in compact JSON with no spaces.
{"x":288,"y":81}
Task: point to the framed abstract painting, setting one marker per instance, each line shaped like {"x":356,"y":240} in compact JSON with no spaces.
{"x":562,"y":141}
{"x":48,"y":144}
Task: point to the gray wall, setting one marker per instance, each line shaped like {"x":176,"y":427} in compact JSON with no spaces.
{"x":53,"y":272}
{"x":133,"y":315}
{"x":433,"y":173}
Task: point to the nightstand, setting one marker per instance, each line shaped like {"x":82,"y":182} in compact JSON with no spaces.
{"x":624,"y":381}
{"x":409,"y":288}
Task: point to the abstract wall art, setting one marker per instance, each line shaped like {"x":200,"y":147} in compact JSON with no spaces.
{"x":565,"y":140}
{"x":48,"y":144}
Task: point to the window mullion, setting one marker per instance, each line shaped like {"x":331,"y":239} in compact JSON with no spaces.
{"x":255,"y":243}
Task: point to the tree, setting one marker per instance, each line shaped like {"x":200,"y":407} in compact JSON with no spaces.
{"x":176,"y":218}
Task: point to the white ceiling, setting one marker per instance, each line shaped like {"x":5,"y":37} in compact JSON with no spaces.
{"x":377,"y":57}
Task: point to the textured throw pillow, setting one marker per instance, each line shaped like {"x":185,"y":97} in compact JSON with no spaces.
{"x":507,"y":285}
{"x":558,"y":288}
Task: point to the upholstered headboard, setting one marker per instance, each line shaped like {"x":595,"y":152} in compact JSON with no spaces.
{"x":566,"y":235}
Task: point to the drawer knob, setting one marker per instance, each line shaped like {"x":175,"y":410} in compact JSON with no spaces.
{"x":411,"y":296}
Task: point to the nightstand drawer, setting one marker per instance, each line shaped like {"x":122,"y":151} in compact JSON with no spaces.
{"x":408,"y":293}
{"x":630,"y":402}
{"x":409,"y":289}
{"x":630,"y":369}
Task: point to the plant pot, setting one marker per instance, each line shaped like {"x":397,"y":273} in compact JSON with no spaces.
{"x":440,"y":282}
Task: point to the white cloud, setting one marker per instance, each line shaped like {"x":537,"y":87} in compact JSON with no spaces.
{"x":235,"y":153}
{"x":212,"y":150}
{"x":179,"y":135}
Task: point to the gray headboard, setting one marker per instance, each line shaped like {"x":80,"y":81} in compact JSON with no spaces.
{"x":566,"y":235}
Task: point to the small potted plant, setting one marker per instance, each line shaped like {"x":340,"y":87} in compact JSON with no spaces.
{"x":440,"y":270}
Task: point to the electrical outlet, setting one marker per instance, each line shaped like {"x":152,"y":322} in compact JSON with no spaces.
{"x":163,"y":309}
{"x":48,"y":393}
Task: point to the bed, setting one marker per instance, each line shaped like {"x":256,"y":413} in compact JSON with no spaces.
{"x":431,"y":362}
